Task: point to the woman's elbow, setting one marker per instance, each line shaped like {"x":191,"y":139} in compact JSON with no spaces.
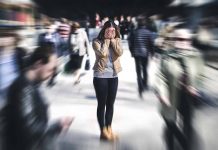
{"x":100,"y":54}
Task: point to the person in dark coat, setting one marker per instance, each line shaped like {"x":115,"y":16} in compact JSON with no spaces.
{"x":141,"y":47}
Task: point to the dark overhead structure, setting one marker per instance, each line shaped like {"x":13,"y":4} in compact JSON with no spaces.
{"x":192,"y":10}
{"x":73,"y":9}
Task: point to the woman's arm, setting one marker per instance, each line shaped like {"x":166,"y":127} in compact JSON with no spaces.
{"x":101,"y":49}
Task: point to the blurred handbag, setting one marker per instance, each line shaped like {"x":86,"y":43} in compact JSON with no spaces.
{"x":87,"y":64}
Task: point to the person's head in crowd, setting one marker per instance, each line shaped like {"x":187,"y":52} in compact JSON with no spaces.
{"x":141,"y":20}
{"x":128,"y":18}
{"x":183,"y":38}
{"x":121,"y":18}
{"x":50,"y":27}
{"x":64,"y":20}
{"x":42,"y":63}
{"x":167,"y":34}
{"x":110,"y":30}
{"x":75,"y":26}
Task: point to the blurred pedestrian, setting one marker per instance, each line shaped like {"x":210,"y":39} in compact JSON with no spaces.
{"x":105,"y":19}
{"x":25,"y":115}
{"x":122,"y":26}
{"x":107,"y":47}
{"x":79,"y":47}
{"x":51,"y":36}
{"x":141,"y":48}
{"x":64,"y":29}
{"x":156,"y":23}
{"x":87,"y":26}
{"x":97,"y":21}
{"x":116,"y":21}
{"x":179,"y":85}
{"x":12,"y":58}
{"x":129,"y":25}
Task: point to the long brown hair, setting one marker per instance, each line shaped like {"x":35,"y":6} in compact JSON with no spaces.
{"x":109,"y":24}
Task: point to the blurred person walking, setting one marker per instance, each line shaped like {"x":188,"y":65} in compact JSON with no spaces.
{"x":141,"y":47}
{"x":12,"y":59}
{"x":79,"y":47}
{"x":126,"y":26}
{"x":116,"y":21}
{"x":51,"y":36}
{"x":98,"y":23}
{"x":87,"y":26}
{"x":129,"y":25}
{"x":180,"y":82}
{"x":25,"y":115}
{"x":64,"y":29}
{"x":107,"y":47}
{"x":105,"y":19}
{"x":122,"y":26}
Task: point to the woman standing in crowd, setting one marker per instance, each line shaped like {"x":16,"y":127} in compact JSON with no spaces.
{"x":107,"y":47}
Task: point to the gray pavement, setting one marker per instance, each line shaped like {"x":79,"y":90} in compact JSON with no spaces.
{"x":136,"y":121}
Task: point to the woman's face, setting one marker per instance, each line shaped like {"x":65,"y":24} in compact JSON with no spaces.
{"x":110,"y":33}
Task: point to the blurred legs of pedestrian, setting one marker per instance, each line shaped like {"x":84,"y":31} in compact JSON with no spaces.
{"x":141,"y":64}
{"x":58,"y":69}
{"x":183,"y":133}
{"x":77,"y":76}
{"x":185,"y":108}
{"x":122,"y":36}
{"x":80,"y":71}
{"x":172,"y":132}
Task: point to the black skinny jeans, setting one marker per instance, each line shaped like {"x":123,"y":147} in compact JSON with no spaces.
{"x":106,"y":90}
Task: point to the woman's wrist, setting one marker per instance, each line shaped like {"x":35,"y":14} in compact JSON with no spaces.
{"x":107,"y":42}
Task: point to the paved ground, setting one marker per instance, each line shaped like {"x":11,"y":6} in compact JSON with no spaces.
{"x":136,"y":121}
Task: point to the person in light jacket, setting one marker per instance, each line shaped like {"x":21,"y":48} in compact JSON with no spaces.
{"x":79,"y":47}
{"x":107,"y":47}
{"x":179,"y":85}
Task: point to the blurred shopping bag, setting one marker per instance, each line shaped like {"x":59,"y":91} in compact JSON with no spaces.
{"x":87,"y":64}
{"x":153,"y":68}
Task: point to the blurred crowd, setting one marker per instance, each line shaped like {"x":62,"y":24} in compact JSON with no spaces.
{"x":169,"y":42}
{"x":67,"y":38}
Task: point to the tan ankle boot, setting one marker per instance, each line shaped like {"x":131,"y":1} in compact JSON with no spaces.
{"x":113,"y":135}
{"x":105,"y":135}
